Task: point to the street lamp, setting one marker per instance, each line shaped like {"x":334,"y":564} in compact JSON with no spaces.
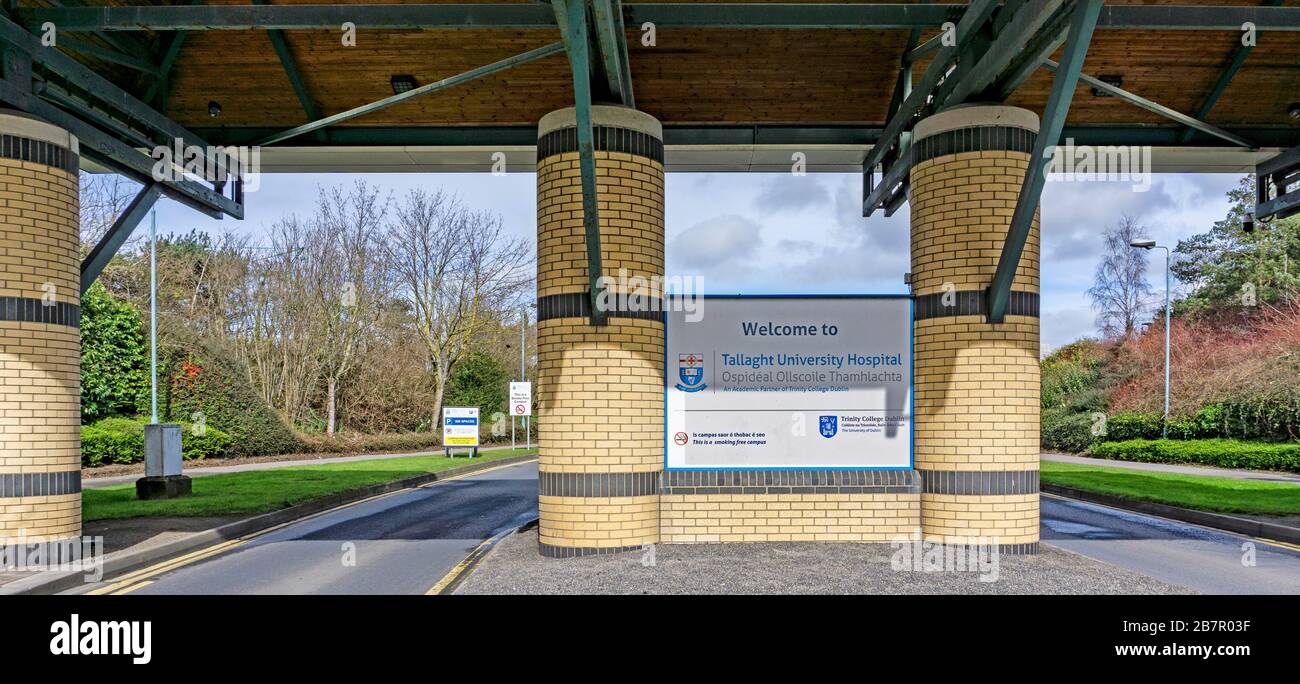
{"x":1151,"y":244}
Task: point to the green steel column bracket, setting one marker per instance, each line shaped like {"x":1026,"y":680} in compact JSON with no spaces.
{"x":1066,"y":80}
{"x":117,"y":234}
{"x":611,"y":43}
{"x":967,"y":27}
{"x":281,"y":46}
{"x":1239,"y":55}
{"x":573,"y":15}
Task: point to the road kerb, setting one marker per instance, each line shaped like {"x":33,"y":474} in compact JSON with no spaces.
{"x":1219,"y":521}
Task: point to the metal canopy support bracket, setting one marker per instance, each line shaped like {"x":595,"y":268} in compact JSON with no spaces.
{"x":612,"y":44}
{"x":98,"y":144}
{"x":117,"y":234}
{"x":1277,"y":186}
{"x":1158,"y":108}
{"x":1058,"y":107}
{"x":573,"y":16}
{"x":539,"y":53}
{"x":1239,"y":55}
{"x":1018,"y":31}
{"x":281,"y":46}
{"x":967,"y":28}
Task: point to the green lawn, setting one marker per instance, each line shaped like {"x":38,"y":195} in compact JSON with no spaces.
{"x":1220,"y":494}
{"x":261,"y":491}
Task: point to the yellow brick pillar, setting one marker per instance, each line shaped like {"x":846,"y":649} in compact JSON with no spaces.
{"x":977,"y":389}
{"x":600,"y":389}
{"x":40,"y":347}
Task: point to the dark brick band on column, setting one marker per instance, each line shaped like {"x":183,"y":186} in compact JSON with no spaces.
{"x":607,"y":139}
{"x":39,"y":152}
{"x":40,"y":484}
{"x":702,"y":482}
{"x":551,"y":551}
{"x":31,"y":310}
{"x":979,"y":482}
{"x":972,"y":303}
{"x":598,"y":484}
{"x":578,"y":305}
{"x":974,"y":139}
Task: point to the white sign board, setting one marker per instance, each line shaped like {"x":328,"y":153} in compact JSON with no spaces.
{"x":521,"y":398}
{"x":460,"y":426}
{"x":790,"y":382}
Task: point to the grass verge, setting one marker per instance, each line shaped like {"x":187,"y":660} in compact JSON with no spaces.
{"x":262,"y":491}
{"x":1218,"y":494}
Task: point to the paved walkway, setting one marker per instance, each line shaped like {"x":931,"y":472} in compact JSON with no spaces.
{"x":192,"y":471}
{"x":1260,"y":475}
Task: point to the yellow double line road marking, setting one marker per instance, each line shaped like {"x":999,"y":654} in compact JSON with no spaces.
{"x":456,"y":571}
{"x":135,"y":580}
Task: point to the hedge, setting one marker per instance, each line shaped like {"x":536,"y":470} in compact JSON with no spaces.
{"x":202,"y":378}
{"x":1066,"y":431}
{"x":121,"y":440}
{"x":1221,"y":453}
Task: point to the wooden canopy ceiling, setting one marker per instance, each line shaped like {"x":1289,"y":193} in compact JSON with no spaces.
{"x":690,"y":75}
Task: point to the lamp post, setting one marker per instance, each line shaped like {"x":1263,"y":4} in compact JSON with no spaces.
{"x":1151,"y":244}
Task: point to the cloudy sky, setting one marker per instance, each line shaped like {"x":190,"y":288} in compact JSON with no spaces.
{"x":779,"y":233}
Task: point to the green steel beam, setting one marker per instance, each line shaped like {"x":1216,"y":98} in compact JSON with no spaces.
{"x":1239,"y":55}
{"x":663,"y":15}
{"x":1042,"y":47}
{"x":288,"y":17}
{"x":281,"y":46}
{"x":123,"y":158}
{"x":612,"y":43}
{"x":1160,"y":109}
{"x":966,"y":29}
{"x":902,"y":88}
{"x":156,"y":126}
{"x":575,"y":40}
{"x":117,"y":234}
{"x":715,"y":135}
{"x":1053,"y":122}
{"x":502,"y":65}
{"x":107,"y":54}
{"x":157,"y":91}
{"x":1017,"y":32}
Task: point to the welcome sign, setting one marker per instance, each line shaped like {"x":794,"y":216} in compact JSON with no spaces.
{"x":790,"y":382}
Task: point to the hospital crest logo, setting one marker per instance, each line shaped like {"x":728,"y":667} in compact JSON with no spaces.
{"x":690,"y":370}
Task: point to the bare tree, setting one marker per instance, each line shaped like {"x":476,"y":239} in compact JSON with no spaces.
{"x":453,"y":266}
{"x":104,"y":196}
{"x":345,"y":280}
{"x":1120,"y":291}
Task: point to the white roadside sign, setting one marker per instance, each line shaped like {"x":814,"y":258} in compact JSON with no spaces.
{"x":460,"y":426}
{"x":521,"y":398}
{"x":790,"y":382}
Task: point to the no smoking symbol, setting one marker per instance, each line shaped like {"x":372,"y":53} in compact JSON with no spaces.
{"x":680,"y":439}
{"x":519,"y":409}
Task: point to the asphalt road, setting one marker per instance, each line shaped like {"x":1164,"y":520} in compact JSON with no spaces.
{"x":1207,"y":561}
{"x":402,"y":543}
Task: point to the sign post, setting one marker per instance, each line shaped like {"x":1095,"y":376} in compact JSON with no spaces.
{"x":782,"y":382}
{"x":521,"y":405}
{"x":460,"y":428}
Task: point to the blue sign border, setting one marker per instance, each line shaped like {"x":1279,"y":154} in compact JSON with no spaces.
{"x":911,"y":380}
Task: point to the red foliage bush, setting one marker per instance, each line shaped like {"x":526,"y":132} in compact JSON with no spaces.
{"x":1215,"y":357}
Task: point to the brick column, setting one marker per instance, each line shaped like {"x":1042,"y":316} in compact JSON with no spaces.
{"x":40,"y":347}
{"x":600,"y":389}
{"x":977,"y":389}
